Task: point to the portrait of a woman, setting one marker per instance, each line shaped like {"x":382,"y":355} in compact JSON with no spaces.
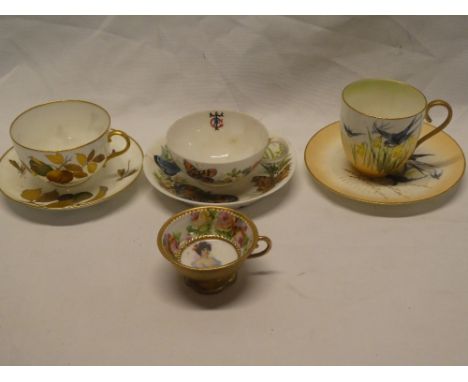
{"x":204,"y":259}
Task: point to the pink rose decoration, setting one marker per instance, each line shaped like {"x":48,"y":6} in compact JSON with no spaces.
{"x":240,"y":225}
{"x":225,"y":221}
{"x":171,"y":243}
{"x":199,"y":219}
{"x":240,"y":238}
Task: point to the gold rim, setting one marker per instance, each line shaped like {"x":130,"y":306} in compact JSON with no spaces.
{"x":170,"y":257}
{"x":386,"y":80}
{"x":375,"y":202}
{"x":84,"y":205}
{"x":61,"y":101}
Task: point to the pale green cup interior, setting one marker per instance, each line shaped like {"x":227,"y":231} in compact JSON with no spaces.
{"x":386,"y":99}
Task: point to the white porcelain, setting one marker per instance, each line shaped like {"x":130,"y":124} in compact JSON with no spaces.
{"x":19,"y":185}
{"x":65,"y":142}
{"x":274,"y":171}
{"x":218,"y":147}
{"x":381,"y":122}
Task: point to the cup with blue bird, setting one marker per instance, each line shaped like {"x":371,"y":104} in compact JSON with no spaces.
{"x":381,"y":122}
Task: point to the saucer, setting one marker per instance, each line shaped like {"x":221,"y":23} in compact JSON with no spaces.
{"x":273,"y":172}
{"x":23,"y":187}
{"x":434,"y":168}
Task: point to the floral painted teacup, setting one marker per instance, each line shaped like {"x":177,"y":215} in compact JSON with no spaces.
{"x":380,"y":124}
{"x":207,"y":245}
{"x":65,"y":142}
{"x":218,"y":147}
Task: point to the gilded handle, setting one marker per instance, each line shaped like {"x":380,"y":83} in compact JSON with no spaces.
{"x":114,"y":153}
{"x":262,"y":252}
{"x":443,"y":125}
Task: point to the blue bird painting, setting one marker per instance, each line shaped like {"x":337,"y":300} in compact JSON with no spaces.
{"x":168,"y":167}
{"x":349,"y":132}
{"x":395,"y":139}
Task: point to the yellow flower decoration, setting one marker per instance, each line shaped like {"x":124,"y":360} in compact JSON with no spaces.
{"x":377,"y":143}
{"x":90,"y":161}
{"x":361,"y":150}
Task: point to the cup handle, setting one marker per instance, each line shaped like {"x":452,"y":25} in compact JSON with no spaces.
{"x":443,"y":125}
{"x":114,"y":153}
{"x":262,"y":252}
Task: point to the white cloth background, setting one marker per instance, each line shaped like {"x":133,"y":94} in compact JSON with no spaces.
{"x":344,"y":284}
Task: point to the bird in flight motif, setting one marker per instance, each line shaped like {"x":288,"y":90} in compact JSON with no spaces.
{"x":395,"y":139}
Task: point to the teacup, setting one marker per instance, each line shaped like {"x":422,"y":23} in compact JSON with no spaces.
{"x":65,"y":142}
{"x":381,"y":122}
{"x":217,"y":148}
{"x":208,"y":245}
